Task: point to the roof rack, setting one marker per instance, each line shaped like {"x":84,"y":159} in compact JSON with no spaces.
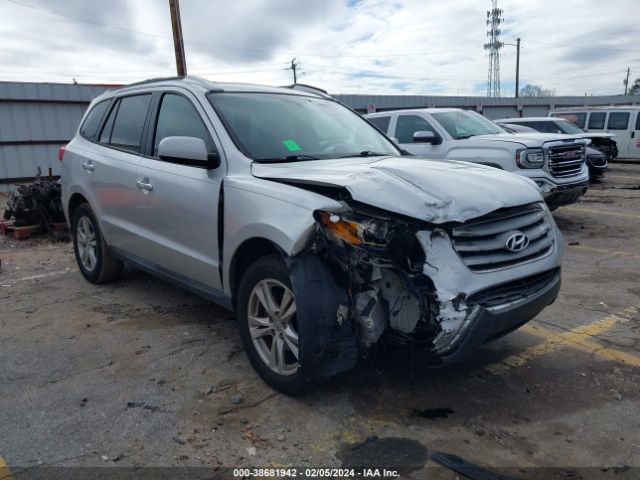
{"x":309,"y":88}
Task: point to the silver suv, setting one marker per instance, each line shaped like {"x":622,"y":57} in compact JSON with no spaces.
{"x":291,"y":209}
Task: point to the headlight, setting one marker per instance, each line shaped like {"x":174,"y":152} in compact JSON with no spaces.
{"x":354,"y":230}
{"x":530,"y":158}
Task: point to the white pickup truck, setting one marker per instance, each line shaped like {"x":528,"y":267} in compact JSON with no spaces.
{"x":556,"y":164}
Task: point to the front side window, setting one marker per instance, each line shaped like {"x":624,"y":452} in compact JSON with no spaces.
{"x":464,"y":124}
{"x":596,"y":120}
{"x":618,"y":120}
{"x":408,"y":125}
{"x":271,"y":127}
{"x":123,"y":128}
{"x":543,"y":126}
{"x":568,"y":127}
{"x":92,"y":121}
{"x":580,"y":119}
{"x":179,"y":118}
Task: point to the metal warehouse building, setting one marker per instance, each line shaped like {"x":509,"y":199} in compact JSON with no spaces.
{"x":37,"y":118}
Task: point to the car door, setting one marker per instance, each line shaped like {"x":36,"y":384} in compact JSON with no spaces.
{"x":177,"y":210}
{"x":110,"y":167}
{"x":619,"y":124}
{"x":406,"y":125}
{"x":634,"y":145}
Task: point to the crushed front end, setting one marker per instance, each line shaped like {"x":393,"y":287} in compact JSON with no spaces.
{"x":448,"y":287}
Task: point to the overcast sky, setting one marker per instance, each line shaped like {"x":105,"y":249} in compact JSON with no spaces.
{"x":345,"y":46}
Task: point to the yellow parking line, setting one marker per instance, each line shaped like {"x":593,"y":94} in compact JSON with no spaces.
{"x":576,"y":338}
{"x":600,"y":212}
{"x":604,"y":250}
{"x":5,"y":473}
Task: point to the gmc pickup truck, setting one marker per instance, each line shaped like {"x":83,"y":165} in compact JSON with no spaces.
{"x":556,"y":164}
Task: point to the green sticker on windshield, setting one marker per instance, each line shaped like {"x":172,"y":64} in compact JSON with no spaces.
{"x":291,"y":145}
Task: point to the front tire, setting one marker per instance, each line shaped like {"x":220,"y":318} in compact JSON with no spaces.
{"x":269,"y":327}
{"x":95,"y":261}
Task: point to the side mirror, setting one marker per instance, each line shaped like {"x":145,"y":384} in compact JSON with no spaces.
{"x":187,"y":150}
{"x":426,"y":136}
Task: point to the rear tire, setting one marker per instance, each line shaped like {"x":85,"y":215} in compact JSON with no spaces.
{"x":269,"y":327}
{"x":95,"y":261}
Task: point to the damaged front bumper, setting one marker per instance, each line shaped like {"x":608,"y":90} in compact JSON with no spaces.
{"x":462,"y":290}
{"x":488,"y":323}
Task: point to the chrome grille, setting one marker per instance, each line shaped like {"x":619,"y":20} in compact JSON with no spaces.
{"x":566,"y":160}
{"x":481,"y":243}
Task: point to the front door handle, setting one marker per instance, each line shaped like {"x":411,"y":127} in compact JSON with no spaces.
{"x":88,"y":166}
{"x":144,"y":185}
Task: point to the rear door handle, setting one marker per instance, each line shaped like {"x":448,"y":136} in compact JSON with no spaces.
{"x":144,"y":185}
{"x":88,"y":166}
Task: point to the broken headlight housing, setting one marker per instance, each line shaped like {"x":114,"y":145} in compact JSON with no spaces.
{"x":530,"y":158}
{"x":379,"y":236}
{"x":355,"y":230}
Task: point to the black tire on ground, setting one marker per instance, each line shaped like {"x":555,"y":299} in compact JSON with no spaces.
{"x":106,"y":268}
{"x":270,"y":267}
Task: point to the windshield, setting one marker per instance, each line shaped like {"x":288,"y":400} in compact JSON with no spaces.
{"x":567,"y":127}
{"x":271,"y":127}
{"x":465,"y":124}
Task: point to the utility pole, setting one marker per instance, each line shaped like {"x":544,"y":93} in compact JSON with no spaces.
{"x":294,"y":66}
{"x":178,"y":41}
{"x":626,"y":82}
{"x":518,"y":67}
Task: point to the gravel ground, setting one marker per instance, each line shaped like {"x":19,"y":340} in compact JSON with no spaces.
{"x":139,"y":373}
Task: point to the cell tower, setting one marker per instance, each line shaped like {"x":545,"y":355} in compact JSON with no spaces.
{"x":494,"y":19}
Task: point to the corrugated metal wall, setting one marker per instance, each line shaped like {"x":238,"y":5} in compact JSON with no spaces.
{"x":492,"y":108}
{"x":36,"y":118}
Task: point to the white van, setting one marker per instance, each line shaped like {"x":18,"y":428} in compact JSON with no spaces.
{"x":624,"y":121}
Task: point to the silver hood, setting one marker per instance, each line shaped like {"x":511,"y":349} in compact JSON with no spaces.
{"x":531,"y":140}
{"x":431,"y":190}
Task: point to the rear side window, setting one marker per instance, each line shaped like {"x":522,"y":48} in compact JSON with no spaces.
{"x":90,"y":125}
{"x":381,"y":123}
{"x":596,"y":120}
{"x":638,"y":121}
{"x":410,"y":124}
{"x":618,"y":120}
{"x":124,"y":126}
{"x":178,"y":117}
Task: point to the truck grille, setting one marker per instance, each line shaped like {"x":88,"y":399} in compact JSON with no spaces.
{"x":566,"y":160}
{"x":482,"y":243}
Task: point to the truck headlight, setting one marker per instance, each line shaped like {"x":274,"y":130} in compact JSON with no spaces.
{"x":530,"y":158}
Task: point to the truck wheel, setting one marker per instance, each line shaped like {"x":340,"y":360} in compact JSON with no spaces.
{"x":269,"y":326}
{"x":92,"y":254}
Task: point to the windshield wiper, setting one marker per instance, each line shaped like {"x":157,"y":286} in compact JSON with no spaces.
{"x":365,"y":153}
{"x":289,"y":158}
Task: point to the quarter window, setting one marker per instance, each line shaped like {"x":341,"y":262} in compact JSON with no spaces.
{"x":618,"y":120}
{"x":91,"y":123}
{"x":596,"y":120}
{"x":178,"y":117}
{"x":125,"y":123}
{"x":410,"y":124}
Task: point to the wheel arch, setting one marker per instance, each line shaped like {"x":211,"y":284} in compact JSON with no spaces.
{"x":247,"y":253}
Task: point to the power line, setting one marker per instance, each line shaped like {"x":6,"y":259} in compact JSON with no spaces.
{"x":596,"y":49}
{"x":228,"y":47}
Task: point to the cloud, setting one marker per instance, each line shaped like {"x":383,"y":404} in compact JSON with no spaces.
{"x":345,"y":46}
